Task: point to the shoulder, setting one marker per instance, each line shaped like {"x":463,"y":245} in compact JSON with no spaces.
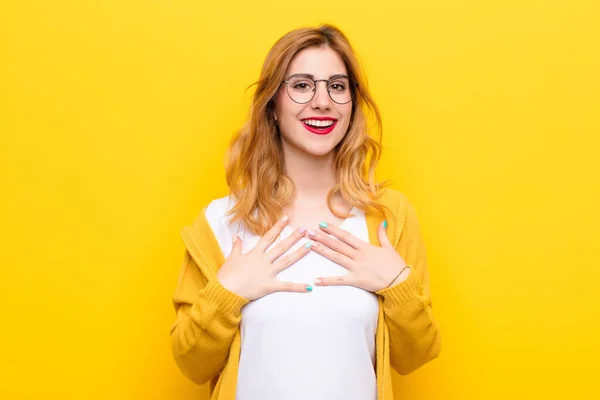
{"x":401,"y":207}
{"x":218,"y":208}
{"x":217,"y":215}
{"x":213,"y":222}
{"x":214,"y":213}
{"x":395,"y":200}
{"x":404,"y":215}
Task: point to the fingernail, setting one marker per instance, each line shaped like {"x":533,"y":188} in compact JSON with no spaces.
{"x":307,"y":245}
{"x":285,"y":218}
{"x":318,"y":281}
{"x":385,"y":224}
{"x":301,"y":230}
{"x":312,"y":233}
{"x":309,"y":288}
{"x":323,"y":224}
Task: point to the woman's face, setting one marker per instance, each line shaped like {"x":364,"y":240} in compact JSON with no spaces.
{"x":317,"y":126}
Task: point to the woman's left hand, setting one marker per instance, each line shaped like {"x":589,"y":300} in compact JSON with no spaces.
{"x":369,"y":267}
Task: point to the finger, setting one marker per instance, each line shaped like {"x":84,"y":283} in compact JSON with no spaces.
{"x":333,"y":243}
{"x":285,"y":262}
{"x":384,"y":241}
{"x":334,"y":256}
{"x":269,"y":237}
{"x":343,"y":280}
{"x":342,"y":235}
{"x":237,"y":246}
{"x":292,"y":287}
{"x":286,"y":244}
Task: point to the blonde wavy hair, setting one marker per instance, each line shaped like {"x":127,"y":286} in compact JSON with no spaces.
{"x":255,"y":168}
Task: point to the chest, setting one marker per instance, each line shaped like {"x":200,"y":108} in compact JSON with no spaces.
{"x":342,"y":306}
{"x":310,"y":217}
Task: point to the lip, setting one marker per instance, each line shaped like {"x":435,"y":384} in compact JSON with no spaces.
{"x":320,"y":118}
{"x":320,"y":131}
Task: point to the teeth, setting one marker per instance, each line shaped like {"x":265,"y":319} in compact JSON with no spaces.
{"x":314,"y":122}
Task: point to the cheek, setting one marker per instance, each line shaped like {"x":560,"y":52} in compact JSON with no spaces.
{"x":347,"y":110}
{"x":346,"y":114}
{"x":285,"y":108}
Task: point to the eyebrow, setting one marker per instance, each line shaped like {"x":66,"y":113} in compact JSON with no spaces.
{"x":311,"y":76}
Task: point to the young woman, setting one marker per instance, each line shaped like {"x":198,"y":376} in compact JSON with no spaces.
{"x":309,"y":280}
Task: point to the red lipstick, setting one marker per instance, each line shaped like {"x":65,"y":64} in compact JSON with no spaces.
{"x":320,"y":130}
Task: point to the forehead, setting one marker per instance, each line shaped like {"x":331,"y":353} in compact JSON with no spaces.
{"x":321,"y":62}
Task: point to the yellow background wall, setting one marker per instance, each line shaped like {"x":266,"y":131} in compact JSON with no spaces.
{"x":114,"y":117}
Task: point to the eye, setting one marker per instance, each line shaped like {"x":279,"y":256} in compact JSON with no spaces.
{"x":337,"y":87}
{"x":301,"y":86}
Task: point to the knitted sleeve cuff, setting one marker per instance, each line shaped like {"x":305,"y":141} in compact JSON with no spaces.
{"x":404,"y":292}
{"x":223,"y":299}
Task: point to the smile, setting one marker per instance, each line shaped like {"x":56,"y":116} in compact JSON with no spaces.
{"x":321,"y":126}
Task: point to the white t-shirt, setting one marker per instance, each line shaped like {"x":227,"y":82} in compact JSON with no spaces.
{"x":297,"y":346}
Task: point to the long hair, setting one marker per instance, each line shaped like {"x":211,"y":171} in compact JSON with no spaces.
{"x":255,"y":168}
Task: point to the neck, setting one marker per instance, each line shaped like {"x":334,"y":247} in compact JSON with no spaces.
{"x":313,"y":176}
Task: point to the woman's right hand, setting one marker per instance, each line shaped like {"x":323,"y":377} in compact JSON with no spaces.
{"x":253,"y":275}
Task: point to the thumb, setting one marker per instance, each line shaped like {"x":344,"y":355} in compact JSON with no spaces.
{"x":236,"y":249}
{"x":383,"y":237}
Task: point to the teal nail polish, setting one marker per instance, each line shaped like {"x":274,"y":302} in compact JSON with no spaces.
{"x":309,"y":288}
{"x":323,"y":224}
{"x":385,"y":224}
{"x":307,"y":245}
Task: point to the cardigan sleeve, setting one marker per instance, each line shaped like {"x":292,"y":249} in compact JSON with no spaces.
{"x":413,"y":332}
{"x":208,"y":316}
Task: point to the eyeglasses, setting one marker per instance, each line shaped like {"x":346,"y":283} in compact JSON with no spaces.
{"x":302,"y":88}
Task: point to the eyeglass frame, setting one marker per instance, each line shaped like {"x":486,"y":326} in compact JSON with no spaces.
{"x":352,"y":86}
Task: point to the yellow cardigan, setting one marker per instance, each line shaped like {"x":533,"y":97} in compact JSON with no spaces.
{"x":205,"y":337}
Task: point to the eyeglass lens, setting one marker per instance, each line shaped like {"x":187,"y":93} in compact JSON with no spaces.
{"x":301,"y":89}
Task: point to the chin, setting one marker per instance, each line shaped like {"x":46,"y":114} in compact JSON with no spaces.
{"x":313,"y":145}
{"x":318,"y":150}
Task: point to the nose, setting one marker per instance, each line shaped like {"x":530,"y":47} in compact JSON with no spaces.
{"x":321,"y":99}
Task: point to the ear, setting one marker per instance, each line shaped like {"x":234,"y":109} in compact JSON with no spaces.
{"x":273,"y":109}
